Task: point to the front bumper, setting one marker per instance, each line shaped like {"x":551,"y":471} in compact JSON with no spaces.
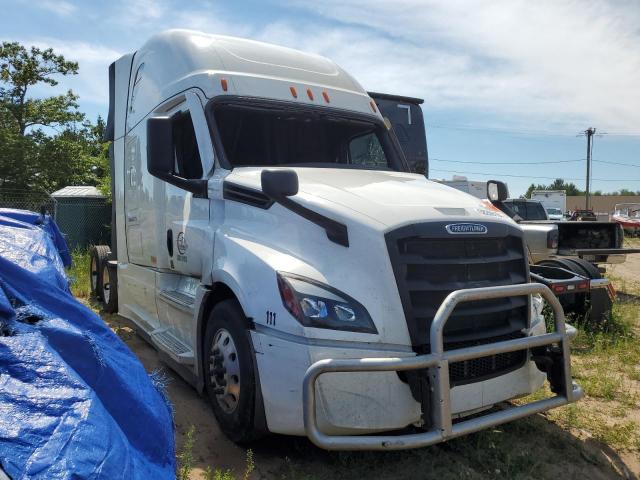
{"x":438,"y":364}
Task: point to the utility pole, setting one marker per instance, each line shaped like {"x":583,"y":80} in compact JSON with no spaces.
{"x":589,"y":133}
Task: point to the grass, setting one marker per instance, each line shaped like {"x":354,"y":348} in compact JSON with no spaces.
{"x":632,"y":242}
{"x":79,"y":274}
{"x":185,"y":463}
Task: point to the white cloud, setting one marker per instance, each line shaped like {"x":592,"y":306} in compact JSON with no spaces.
{"x":59,"y":7}
{"x":546,"y":63}
{"x":91,"y":83}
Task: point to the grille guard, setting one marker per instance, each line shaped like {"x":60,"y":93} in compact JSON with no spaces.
{"x":438,"y":363}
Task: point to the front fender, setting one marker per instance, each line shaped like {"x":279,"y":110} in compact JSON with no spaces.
{"x":249,"y":270}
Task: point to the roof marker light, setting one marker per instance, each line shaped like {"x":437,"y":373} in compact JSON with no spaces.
{"x":373,"y":106}
{"x":293,"y":91}
{"x":223,"y":84}
{"x":309,"y":94}
{"x":325,"y":95}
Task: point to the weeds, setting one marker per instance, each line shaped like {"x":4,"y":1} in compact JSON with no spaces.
{"x":185,"y":457}
{"x":185,"y":463}
{"x":78,"y":273}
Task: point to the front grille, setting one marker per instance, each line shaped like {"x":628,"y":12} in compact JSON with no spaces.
{"x":477,"y":369}
{"x":430,"y":263}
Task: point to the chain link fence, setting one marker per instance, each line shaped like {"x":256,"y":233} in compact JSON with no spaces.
{"x":84,"y":221}
{"x":34,"y":201}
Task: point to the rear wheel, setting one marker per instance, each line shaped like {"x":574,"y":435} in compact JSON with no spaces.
{"x":598,"y":309}
{"x":97,"y":256}
{"x":109,"y":287}
{"x":601,"y":303}
{"x":229,"y":372}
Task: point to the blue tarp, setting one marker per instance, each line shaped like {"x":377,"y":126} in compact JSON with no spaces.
{"x":74,"y":401}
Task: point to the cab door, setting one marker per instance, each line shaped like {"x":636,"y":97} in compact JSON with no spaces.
{"x":188,"y":247}
{"x":188,"y":236}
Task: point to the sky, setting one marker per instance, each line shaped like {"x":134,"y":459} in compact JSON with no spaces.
{"x":508,"y":84}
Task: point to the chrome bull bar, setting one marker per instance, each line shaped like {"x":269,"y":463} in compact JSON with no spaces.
{"x":438,"y":362}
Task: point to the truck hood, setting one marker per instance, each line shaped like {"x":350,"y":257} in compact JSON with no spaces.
{"x":386,"y":197}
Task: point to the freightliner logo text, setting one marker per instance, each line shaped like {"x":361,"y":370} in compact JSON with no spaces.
{"x":456,"y":228}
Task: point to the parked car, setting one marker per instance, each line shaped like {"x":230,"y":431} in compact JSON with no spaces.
{"x":555,"y":214}
{"x":583,"y":216}
{"x":530,"y":210}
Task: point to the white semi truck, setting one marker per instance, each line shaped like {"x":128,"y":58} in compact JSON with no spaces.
{"x":270,"y":242}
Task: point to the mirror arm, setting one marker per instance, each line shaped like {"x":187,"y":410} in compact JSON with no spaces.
{"x":336,"y":232}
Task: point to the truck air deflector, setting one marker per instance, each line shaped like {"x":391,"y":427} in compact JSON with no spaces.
{"x":336,"y":232}
{"x":109,"y":131}
{"x":246,"y":195}
{"x":438,"y":364}
{"x":282,"y":184}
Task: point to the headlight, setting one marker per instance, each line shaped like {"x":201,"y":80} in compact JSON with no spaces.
{"x":317,"y":305}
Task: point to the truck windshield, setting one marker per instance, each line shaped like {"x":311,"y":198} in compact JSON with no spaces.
{"x":275,"y":133}
{"x":527,"y":210}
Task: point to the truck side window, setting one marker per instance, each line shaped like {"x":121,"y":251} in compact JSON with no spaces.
{"x":366,"y":150}
{"x":187,"y":163}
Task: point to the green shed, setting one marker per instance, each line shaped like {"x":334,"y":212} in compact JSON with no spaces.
{"x":83,"y":215}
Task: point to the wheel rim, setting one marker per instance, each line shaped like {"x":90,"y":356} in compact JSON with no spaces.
{"x":106,"y":285}
{"x":94,"y":274}
{"x":224,"y":371}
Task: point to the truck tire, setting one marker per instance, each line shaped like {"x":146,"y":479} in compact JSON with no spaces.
{"x":109,"y":287}
{"x":574,"y":304}
{"x":229,"y":372}
{"x":601,"y":304}
{"x":98,"y":255}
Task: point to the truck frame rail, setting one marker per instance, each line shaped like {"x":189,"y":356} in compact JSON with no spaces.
{"x":438,"y":364}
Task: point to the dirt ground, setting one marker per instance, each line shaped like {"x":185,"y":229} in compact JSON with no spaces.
{"x":273,"y":456}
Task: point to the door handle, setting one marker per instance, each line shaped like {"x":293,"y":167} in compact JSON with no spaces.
{"x":170,"y":242}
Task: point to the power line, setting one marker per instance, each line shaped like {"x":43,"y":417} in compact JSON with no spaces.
{"x":533,"y":163}
{"x":499,"y":130}
{"x":621,"y":134}
{"x":618,"y":163}
{"x":508,"y":131}
{"x":507,"y":163}
{"x":535,"y":177}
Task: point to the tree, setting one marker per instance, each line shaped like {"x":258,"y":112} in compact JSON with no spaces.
{"x":46,"y":142}
{"x":558,"y":184}
{"x":21,"y":69}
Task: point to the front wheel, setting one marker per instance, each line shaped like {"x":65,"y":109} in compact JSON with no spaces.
{"x":229,"y":372}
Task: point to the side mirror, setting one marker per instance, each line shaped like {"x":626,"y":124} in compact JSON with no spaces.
{"x":161,"y":157}
{"x":497,"y":191}
{"x":278,"y":184}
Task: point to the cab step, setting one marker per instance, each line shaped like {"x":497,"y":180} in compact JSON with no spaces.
{"x":173,"y":346}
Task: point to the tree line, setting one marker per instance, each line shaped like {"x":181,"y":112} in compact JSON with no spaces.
{"x":46,"y":142}
{"x":572,"y":190}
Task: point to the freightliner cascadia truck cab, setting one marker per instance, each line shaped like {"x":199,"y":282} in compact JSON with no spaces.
{"x":271,"y":243}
